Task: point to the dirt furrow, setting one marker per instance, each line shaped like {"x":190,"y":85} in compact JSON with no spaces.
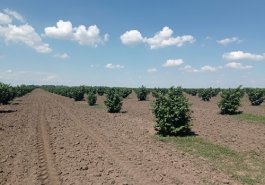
{"x":134,"y":147}
{"x":54,"y":140}
{"x":80,"y":159}
{"x":17,"y":140}
{"x":129,"y":167}
{"x":47,"y":173}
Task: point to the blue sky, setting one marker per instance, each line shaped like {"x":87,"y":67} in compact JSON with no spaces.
{"x":186,"y":43}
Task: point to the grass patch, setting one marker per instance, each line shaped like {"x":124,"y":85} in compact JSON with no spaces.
{"x":251,"y":118}
{"x":246,"y":168}
{"x":98,"y":106}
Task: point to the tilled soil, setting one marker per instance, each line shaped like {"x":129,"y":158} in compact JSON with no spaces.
{"x":53,"y":140}
{"x":240,"y":135}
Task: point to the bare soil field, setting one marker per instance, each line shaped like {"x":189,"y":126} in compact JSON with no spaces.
{"x":51,"y":139}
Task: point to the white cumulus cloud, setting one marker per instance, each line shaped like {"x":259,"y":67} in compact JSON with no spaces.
{"x":62,"y":56}
{"x":151,"y":70}
{"x":173,"y":62}
{"x":164,"y":38}
{"x":20,"y":33}
{"x":5,"y":19}
{"x":227,"y":41}
{"x":189,"y":68}
{"x":161,"y":39}
{"x":131,"y":37}
{"x":114,"y":66}
{"x":83,"y":35}
{"x":15,"y":14}
{"x":24,"y":34}
{"x":208,"y":68}
{"x":235,"y":65}
{"x":241,"y":55}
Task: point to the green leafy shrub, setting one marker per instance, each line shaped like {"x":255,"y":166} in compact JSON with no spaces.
{"x":141,"y":93}
{"x":205,"y":94}
{"x":230,"y":101}
{"x":113,"y":101}
{"x":22,"y":90}
{"x":172,"y":113}
{"x":100,"y":91}
{"x":256,"y":96}
{"x":157,"y":91}
{"x":192,"y":92}
{"x":77,"y":94}
{"x":215,"y":92}
{"x":124,"y":92}
{"x":6,"y":93}
{"x":91,"y":98}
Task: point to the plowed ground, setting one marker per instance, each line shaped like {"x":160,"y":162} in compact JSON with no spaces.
{"x":51,"y":139}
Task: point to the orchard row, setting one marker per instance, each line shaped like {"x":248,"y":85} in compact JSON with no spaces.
{"x":170,"y":107}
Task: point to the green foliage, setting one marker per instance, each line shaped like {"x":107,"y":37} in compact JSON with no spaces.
{"x":172,"y":113}
{"x":91,"y":98}
{"x":230,"y":101}
{"x":124,"y":92}
{"x":215,"y":92}
{"x":192,"y":92}
{"x":100,"y":91}
{"x":77,"y":93}
{"x":6,"y":93}
{"x":205,"y":94}
{"x":157,"y":91}
{"x":142,"y":93}
{"x":22,"y":90}
{"x":256,"y":96}
{"x":113,"y":101}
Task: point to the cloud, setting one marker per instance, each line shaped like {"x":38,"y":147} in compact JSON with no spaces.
{"x":84,"y":36}
{"x":49,"y":78}
{"x":164,"y":38}
{"x":62,"y":56}
{"x":240,"y":55}
{"x":113,"y":66}
{"x":227,"y":41}
{"x":14,"y":14}
{"x":208,"y":68}
{"x":173,"y":62}
{"x":151,"y":70}
{"x":235,"y":65}
{"x":189,"y":68}
{"x":5,"y":19}
{"x":131,"y":37}
{"x":24,"y":34}
{"x":161,"y":39}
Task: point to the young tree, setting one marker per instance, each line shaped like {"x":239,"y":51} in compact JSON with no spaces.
{"x":172,"y":113}
{"x":91,"y":98}
{"x":113,"y":101}
{"x":230,"y":101}
{"x":142,"y":93}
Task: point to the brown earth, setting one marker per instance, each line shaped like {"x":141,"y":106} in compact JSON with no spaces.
{"x":51,"y":139}
{"x":240,"y":135}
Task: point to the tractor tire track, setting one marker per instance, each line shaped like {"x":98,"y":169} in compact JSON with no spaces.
{"x":47,"y":172}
